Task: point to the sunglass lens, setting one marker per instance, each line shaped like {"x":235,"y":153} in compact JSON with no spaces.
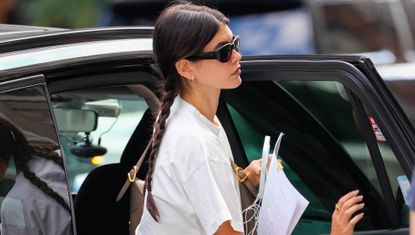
{"x":225,"y":53}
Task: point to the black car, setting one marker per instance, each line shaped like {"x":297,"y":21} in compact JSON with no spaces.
{"x":93,"y":94}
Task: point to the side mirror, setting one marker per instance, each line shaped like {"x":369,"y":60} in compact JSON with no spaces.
{"x":76,"y":120}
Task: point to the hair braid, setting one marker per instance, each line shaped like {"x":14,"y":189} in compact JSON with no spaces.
{"x":50,"y":154}
{"x":183,"y":29}
{"x":42,"y":185}
{"x":23,"y":154}
{"x":171,"y":91}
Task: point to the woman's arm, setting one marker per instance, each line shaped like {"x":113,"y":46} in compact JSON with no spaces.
{"x":226,"y":229}
{"x":412,"y":223}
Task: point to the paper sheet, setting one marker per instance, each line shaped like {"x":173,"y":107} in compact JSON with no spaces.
{"x":282,"y":205}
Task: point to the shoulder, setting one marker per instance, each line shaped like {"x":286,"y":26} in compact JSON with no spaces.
{"x":187,"y":144}
{"x":185,"y":132}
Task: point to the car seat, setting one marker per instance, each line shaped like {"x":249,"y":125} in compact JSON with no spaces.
{"x":96,"y":211}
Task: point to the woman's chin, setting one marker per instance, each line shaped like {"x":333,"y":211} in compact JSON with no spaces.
{"x":233,"y":83}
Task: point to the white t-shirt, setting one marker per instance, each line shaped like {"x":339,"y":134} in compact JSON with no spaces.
{"x":193,"y":185}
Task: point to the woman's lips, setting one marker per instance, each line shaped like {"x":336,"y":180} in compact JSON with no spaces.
{"x":237,"y":71}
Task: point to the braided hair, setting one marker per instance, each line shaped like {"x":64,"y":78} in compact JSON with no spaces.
{"x":183,"y":29}
{"x":14,"y":144}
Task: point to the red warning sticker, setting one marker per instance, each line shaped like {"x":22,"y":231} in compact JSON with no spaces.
{"x":379,"y":135}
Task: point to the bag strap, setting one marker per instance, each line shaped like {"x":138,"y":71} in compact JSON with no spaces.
{"x":133,"y":172}
{"x":242,"y":176}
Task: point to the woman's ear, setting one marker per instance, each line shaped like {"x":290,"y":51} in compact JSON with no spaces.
{"x":184,"y":68}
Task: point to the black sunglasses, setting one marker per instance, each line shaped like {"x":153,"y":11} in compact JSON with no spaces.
{"x":223,"y":54}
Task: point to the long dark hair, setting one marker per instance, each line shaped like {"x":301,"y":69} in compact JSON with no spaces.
{"x":13,"y":144}
{"x":183,"y":29}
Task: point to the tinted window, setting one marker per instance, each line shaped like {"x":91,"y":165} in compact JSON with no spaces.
{"x":33,"y":188}
{"x":393,"y":169}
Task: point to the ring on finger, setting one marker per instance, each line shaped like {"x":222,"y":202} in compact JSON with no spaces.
{"x":338,"y":207}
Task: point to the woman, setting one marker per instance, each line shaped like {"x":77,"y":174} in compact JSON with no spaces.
{"x":38,"y":202}
{"x":190,"y":185}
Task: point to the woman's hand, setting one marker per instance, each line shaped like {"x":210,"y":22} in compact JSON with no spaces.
{"x":342,"y":222}
{"x":253,"y":171}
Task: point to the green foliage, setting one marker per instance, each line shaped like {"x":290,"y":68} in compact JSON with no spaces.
{"x":63,"y":13}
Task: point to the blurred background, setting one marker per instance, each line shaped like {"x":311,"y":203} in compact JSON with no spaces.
{"x":382,"y":29}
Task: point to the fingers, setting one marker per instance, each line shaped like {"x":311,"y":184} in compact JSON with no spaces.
{"x":343,"y":221}
{"x":253,"y":171}
{"x":352,"y":210}
{"x":258,"y":167}
{"x":346,"y":197}
{"x":356,"y":219}
{"x":347,"y":208}
{"x":351,"y":203}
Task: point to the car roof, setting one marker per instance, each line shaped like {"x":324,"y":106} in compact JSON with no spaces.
{"x":11,"y":31}
{"x":15,"y":37}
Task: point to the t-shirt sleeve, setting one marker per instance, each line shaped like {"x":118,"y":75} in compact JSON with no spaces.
{"x":206,"y":196}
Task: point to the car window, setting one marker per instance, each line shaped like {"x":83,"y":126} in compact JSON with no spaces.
{"x":393,"y":169}
{"x":324,"y":151}
{"x":344,"y":131}
{"x":118,"y":111}
{"x":33,"y":189}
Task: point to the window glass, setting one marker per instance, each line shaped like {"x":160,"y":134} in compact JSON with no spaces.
{"x":34,"y":191}
{"x":323,"y":151}
{"x":403,"y":92}
{"x":393,"y":169}
{"x":118,"y":111}
{"x":329,"y":103}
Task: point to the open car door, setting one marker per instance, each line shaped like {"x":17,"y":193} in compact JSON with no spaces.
{"x":343,"y":131}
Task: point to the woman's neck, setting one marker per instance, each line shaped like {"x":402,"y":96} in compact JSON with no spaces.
{"x":205,"y":102}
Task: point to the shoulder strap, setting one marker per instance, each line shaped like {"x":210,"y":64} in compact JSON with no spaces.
{"x":133,"y":172}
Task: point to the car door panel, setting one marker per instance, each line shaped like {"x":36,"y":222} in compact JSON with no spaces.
{"x":38,"y":199}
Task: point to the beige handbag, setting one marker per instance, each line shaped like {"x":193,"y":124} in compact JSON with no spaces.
{"x":248,"y":193}
{"x":136,"y":193}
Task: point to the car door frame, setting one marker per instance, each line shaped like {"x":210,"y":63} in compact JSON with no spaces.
{"x":39,"y":80}
{"x":59,"y":75}
{"x":360,"y":76}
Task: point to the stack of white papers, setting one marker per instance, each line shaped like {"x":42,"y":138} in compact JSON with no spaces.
{"x":282,"y":205}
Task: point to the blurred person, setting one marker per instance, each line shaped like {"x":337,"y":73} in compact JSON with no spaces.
{"x":5,"y":9}
{"x":190,"y":185}
{"x":38,"y":202}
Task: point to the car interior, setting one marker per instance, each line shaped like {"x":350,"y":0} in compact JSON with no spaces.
{"x":324,"y":150}
{"x":94,"y":199}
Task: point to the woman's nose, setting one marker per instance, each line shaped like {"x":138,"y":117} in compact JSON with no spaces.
{"x":236,"y":56}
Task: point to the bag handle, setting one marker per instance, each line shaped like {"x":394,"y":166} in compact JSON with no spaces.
{"x":242,"y":176}
{"x":133,"y":172}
